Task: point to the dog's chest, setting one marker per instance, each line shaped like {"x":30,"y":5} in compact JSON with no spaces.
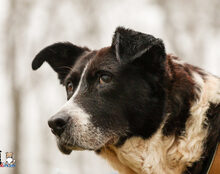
{"x":138,"y":156}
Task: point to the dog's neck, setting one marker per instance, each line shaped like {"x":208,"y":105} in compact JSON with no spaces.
{"x":168,"y":151}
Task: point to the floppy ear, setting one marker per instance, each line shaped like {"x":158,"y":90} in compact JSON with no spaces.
{"x":139,"y":48}
{"x":60,"y":56}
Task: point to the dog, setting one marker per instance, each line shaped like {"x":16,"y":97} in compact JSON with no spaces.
{"x":143,"y":110}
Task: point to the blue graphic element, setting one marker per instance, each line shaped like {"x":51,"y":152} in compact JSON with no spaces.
{"x":9,"y":165}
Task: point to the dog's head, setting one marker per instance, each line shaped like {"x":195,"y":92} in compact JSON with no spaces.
{"x":113,"y":93}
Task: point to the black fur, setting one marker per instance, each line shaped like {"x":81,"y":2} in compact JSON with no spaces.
{"x":129,"y":44}
{"x":60,"y":56}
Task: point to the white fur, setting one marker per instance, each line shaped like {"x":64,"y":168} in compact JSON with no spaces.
{"x":168,"y":155}
{"x":77,"y":113}
{"x":73,"y":109}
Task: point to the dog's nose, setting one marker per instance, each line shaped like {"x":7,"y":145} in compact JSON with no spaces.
{"x":58,"y":123}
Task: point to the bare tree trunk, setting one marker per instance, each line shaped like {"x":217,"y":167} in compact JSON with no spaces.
{"x":14,"y":90}
{"x":15,"y":23}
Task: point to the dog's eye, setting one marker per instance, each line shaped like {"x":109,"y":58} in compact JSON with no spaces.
{"x":69,"y":87}
{"x":105,"y":79}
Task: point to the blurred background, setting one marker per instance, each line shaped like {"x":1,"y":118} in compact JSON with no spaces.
{"x":190,"y":29}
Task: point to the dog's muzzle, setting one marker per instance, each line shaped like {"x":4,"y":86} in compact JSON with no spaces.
{"x":58,"y":124}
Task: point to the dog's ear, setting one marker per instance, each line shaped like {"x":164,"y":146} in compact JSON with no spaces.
{"x":139,"y":48}
{"x":60,"y":56}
